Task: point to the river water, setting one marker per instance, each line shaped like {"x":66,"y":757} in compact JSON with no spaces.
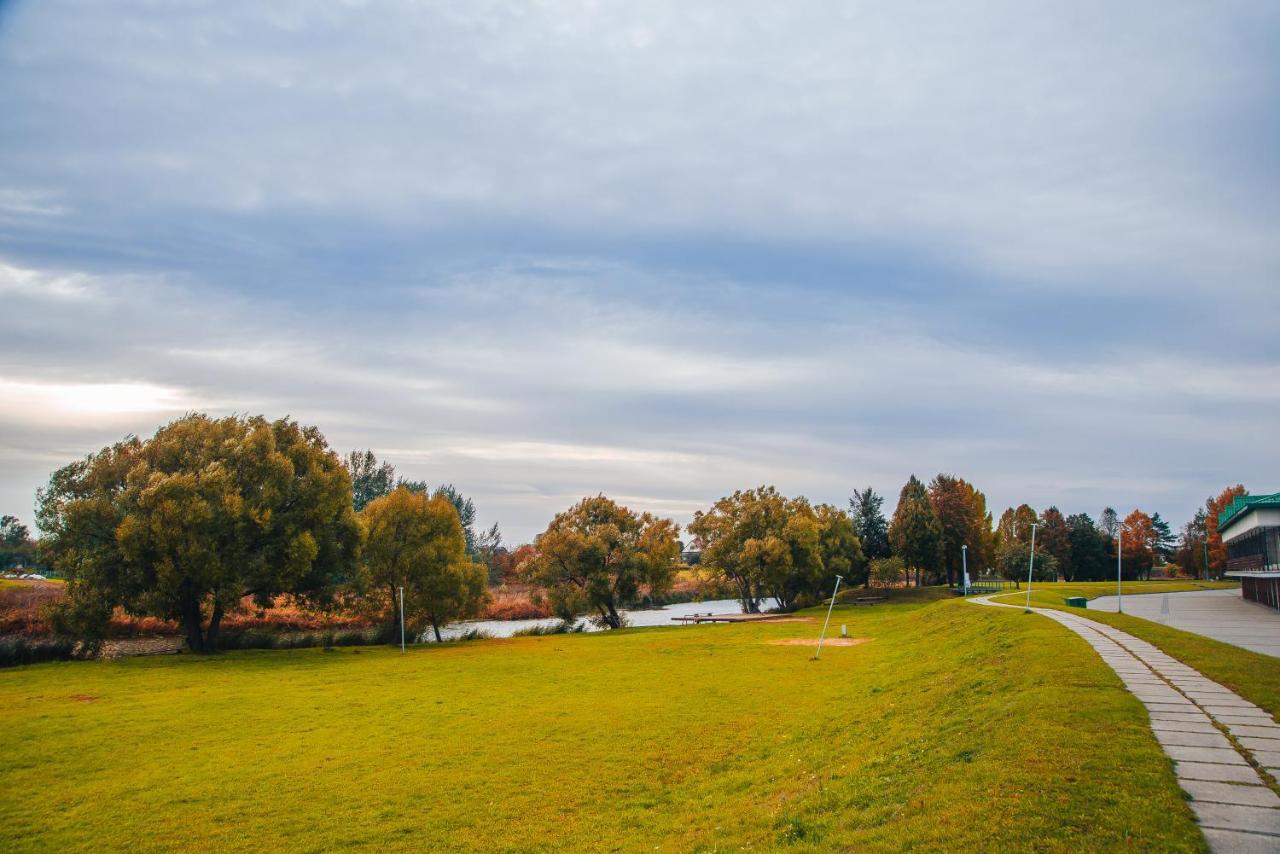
{"x":647,"y":617}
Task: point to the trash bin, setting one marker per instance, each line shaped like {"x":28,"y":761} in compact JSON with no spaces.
{"x":1077,"y":602}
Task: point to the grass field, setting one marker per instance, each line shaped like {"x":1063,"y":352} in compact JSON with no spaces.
{"x":949,"y":728}
{"x":1254,"y":676}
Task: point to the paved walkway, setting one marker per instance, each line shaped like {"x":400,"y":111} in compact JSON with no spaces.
{"x":1219,"y":614}
{"x":1226,"y":750}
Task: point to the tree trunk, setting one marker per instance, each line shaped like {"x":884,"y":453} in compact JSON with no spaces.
{"x":611,"y":616}
{"x":211,"y":635}
{"x":435,"y":627}
{"x":190,"y":607}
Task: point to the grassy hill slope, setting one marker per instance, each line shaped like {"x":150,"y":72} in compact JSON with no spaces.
{"x":952,"y":727}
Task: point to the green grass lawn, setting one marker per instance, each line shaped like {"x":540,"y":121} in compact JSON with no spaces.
{"x":948,"y":729}
{"x":1252,"y":675}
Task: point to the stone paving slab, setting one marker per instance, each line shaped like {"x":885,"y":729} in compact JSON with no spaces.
{"x":1193,"y":739}
{"x":1248,"y":721}
{"x":1178,"y":716}
{"x":1231,"y":842}
{"x":1236,"y":817}
{"x":1242,"y":711}
{"x":1269,"y":758}
{"x":1197,"y":727}
{"x":1257,"y":731}
{"x":1184,"y":707}
{"x":1255,"y":744}
{"x":1226,"y":793}
{"x":1223,"y":755}
{"x":1216,"y":772}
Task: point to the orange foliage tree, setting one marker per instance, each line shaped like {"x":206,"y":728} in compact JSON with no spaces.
{"x":1214,"y":506}
{"x":1139,"y":540}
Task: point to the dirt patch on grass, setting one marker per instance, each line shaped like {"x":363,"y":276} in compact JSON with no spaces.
{"x":82,"y":698}
{"x":814,"y":642}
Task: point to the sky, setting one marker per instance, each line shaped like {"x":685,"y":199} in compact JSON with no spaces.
{"x":659,"y":250}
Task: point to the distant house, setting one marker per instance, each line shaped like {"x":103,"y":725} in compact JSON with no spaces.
{"x":691,"y":556}
{"x":1250,"y":529}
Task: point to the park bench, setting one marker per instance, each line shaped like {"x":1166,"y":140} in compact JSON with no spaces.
{"x":868,"y":600}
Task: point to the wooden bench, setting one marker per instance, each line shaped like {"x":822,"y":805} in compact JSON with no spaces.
{"x":868,"y":600}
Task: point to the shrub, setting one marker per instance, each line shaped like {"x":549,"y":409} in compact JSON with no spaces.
{"x":561,"y":627}
{"x":21,"y":650}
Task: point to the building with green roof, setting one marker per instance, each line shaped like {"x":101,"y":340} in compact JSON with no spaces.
{"x":1250,"y":529}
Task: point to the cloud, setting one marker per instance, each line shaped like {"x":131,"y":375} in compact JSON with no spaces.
{"x":659,"y":250}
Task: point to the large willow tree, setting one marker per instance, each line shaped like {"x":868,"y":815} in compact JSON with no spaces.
{"x":416,"y":543}
{"x":768,"y":545}
{"x":598,"y":555}
{"x":189,"y":523}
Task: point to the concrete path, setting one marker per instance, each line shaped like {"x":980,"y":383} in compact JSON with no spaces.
{"x":1226,"y":750}
{"x":1219,"y":614}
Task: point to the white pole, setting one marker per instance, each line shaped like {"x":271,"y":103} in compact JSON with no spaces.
{"x":964,"y":561}
{"x":1031,"y":564}
{"x":402,"y":619}
{"x":1119,"y":586}
{"x":823,"y":637}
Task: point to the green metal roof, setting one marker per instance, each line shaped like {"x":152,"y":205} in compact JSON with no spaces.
{"x":1244,"y":503}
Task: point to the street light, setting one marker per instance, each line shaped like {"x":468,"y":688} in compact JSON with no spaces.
{"x":1119,"y":585}
{"x":964,"y":561}
{"x":1031,"y":565}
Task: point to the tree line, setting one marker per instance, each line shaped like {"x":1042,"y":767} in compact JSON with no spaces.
{"x":210,"y":514}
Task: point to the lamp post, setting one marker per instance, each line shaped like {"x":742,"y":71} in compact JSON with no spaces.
{"x":1031,"y":565}
{"x":964,"y":562}
{"x":1119,"y":584}
{"x":402,"y":619}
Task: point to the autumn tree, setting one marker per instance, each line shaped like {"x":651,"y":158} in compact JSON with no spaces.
{"x":1015,"y":524}
{"x":416,"y":543}
{"x":1213,"y":508}
{"x":840,"y":550}
{"x":1138,"y":541}
{"x":915,"y":532}
{"x":1191,"y":545}
{"x":870,"y":524}
{"x":887,"y":571}
{"x":1055,"y":534}
{"x":963,"y":521}
{"x":598,"y":555}
{"x":763,"y":543}
{"x":203,"y":515}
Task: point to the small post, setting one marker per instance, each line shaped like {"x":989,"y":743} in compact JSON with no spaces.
{"x":964,"y":560}
{"x":1031,"y":565}
{"x":1206,"y":555}
{"x":823,"y":637}
{"x":1119,"y":585}
{"x":402,"y":619}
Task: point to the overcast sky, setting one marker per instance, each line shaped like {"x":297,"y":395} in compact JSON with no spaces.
{"x":662,"y":250}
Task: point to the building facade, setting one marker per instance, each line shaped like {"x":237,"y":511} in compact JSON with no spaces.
{"x":1250,"y":529}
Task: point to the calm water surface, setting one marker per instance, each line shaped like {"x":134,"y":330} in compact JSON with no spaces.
{"x":648,"y":617}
